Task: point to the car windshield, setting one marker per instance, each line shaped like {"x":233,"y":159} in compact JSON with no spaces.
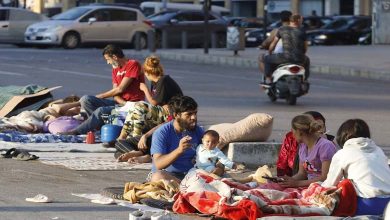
{"x":71,"y":14}
{"x":339,"y":23}
{"x":164,"y":15}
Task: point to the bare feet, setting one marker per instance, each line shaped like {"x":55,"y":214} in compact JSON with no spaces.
{"x":126,"y":156}
{"x":140,"y":159}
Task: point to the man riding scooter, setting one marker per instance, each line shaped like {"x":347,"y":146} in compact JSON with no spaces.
{"x":294,"y":46}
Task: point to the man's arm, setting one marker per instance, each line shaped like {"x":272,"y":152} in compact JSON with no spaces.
{"x":116,"y":90}
{"x":163,"y":161}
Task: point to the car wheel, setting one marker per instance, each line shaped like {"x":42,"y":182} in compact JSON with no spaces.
{"x":142,"y":40}
{"x":71,"y":40}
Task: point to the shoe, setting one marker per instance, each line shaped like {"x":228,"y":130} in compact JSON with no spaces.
{"x":40,"y":198}
{"x":265,"y":85}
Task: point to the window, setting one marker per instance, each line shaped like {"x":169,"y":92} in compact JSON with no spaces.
{"x":191,"y":16}
{"x":122,"y":15}
{"x":4,"y":15}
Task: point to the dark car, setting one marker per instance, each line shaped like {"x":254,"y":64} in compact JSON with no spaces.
{"x":342,"y":30}
{"x":192,"y":23}
{"x":255,"y":37}
{"x":246,"y":23}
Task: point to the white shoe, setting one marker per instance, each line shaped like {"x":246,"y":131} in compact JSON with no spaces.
{"x":104,"y":201}
{"x":40,"y":198}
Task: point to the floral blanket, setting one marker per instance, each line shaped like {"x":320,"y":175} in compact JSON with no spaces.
{"x":232,"y":200}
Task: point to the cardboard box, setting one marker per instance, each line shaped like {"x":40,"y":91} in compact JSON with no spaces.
{"x":29,"y":102}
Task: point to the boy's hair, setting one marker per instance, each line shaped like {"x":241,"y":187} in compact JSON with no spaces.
{"x":211,"y":133}
{"x":316,"y":115}
{"x":285,"y":16}
{"x":112,"y":49}
{"x":352,"y":128}
{"x":179,"y":104}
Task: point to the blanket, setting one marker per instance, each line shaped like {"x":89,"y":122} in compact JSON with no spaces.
{"x":162,"y":189}
{"x":17,"y":136}
{"x":228,"y":199}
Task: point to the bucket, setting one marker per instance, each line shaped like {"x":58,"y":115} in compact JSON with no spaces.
{"x":109,"y":133}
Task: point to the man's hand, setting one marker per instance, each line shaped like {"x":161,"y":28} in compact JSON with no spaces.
{"x":142,"y":143}
{"x":143,"y":87}
{"x":185,"y":143}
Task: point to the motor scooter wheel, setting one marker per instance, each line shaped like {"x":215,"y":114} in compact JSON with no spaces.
{"x":291,"y":99}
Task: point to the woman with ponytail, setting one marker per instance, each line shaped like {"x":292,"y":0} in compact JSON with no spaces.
{"x":145,"y":116}
{"x":315,"y":152}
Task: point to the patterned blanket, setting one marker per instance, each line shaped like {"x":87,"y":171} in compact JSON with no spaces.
{"x":17,"y":136}
{"x":232,"y":200}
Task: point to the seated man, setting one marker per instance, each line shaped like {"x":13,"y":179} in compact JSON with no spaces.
{"x":294,"y":48}
{"x":174,"y":143}
{"x":126,"y":80}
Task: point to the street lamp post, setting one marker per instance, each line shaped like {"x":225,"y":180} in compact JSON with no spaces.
{"x":265,"y":19}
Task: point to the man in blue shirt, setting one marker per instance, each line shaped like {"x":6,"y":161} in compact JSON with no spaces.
{"x":174,"y":143}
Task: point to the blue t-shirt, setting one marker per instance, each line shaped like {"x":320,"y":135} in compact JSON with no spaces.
{"x":165,"y":140}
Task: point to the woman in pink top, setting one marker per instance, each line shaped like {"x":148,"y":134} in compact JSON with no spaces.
{"x":315,"y":152}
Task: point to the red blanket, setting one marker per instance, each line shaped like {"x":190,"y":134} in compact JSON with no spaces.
{"x":231,"y":200}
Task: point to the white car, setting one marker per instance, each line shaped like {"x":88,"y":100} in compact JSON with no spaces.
{"x":13,"y":24}
{"x":90,"y":24}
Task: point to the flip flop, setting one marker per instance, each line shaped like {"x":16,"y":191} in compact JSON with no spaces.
{"x":9,"y":153}
{"x":40,"y":198}
{"x":24,"y":155}
{"x":104,"y":201}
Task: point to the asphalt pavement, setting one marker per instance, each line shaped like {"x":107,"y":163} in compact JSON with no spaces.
{"x":368,"y":61}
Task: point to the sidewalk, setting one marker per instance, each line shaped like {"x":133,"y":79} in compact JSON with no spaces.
{"x":363,"y":61}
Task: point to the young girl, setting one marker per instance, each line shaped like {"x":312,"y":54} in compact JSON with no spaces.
{"x":315,"y":152}
{"x":365,"y":164}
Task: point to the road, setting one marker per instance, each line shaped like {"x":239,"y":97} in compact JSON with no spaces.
{"x":224,"y":95}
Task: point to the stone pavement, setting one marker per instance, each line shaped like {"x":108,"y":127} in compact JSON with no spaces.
{"x":363,"y":61}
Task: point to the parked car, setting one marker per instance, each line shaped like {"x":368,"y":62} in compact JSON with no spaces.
{"x":342,"y":30}
{"x":255,"y":37}
{"x":90,"y":24}
{"x":190,"y":21}
{"x":13,"y":24}
{"x":150,"y":8}
{"x":246,"y":23}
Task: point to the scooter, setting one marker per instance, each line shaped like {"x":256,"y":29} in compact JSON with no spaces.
{"x":288,"y":82}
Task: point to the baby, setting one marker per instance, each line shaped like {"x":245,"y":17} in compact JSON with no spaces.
{"x":210,"y":158}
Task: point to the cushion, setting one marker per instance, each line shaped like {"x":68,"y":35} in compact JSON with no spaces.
{"x":62,"y":124}
{"x":255,"y":127}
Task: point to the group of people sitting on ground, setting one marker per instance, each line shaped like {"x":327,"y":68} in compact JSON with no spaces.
{"x":164,"y":131}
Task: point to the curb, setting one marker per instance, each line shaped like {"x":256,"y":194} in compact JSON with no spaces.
{"x":252,"y":63}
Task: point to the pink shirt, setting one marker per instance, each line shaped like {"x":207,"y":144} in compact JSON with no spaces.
{"x":322,"y":151}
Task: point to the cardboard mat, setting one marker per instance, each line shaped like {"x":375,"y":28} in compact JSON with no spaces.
{"x":88,"y":161}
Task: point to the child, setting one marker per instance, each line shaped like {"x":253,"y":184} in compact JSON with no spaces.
{"x":365,"y":164}
{"x":315,"y":152}
{"x":210,"y":158}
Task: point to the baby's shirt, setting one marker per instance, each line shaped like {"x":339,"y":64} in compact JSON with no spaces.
{"x":206,"y":158}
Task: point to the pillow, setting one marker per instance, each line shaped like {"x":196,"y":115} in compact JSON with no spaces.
{"x":62,"y":124}
{"x":255,"y":127}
